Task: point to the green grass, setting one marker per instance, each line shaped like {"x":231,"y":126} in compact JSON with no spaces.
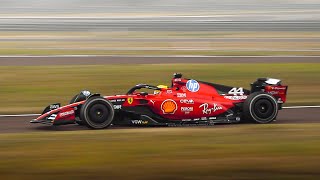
{"x":30,"y":88}
{"x":195,"y":43}
{"x":157,"y":34}
{"x":40,"y":52}
{"x":271,"y":151}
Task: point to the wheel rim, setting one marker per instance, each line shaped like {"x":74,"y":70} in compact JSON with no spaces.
{"x":98,"y":113}
{"x":264,"y":109}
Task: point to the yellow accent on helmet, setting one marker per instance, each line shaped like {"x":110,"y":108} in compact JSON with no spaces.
{"x":160,"y":86}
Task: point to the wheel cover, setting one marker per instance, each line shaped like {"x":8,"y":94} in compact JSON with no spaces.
{"x":98,"y":113}
{"x":264,"y":109}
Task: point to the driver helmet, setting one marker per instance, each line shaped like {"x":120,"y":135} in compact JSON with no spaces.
{"x":160,"y":86}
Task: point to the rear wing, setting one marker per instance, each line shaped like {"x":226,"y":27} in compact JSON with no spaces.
{"x":279,"y":92}
{"x":271,"y":86}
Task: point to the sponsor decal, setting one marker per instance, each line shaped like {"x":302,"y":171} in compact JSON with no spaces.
{"x":278,"y":88}
{"x":169,"y":106}
{"x":187,"y":101}
{"x":139,"y":122}
{"x":193,"y":85}
{"x":200,"y":119}
{"x":236,"y":97}
{"x":66,"y":113}
{"x":177,"y":80}
{"x":117,"y":107}
{"x":274,"y":92}
{"x":181,"y":95}
{"x":186,"y":109}
{"x":207,"y":110}
{"x":169,"y":91}
{"x":117,"y":100}
{"x":130,"y":100}
{"x":54,"y":106}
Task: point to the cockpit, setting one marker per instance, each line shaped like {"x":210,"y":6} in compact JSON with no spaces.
{"x":155,"y":89}
{"x":134,"y":89}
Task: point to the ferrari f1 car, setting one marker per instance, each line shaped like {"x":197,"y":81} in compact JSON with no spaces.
{"x":187,"y":101}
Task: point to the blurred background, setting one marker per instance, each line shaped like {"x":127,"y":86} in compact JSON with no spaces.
{"x":226,"y":10}
{"x":52,"y":49}
{"x":168,"y":27}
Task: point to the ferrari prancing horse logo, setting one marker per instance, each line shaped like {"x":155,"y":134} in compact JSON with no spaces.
{"x":130,"y":100}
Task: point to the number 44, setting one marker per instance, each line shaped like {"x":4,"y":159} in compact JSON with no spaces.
{"x":236,"y":91}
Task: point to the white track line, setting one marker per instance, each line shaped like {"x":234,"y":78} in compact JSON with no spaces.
{"x":300,"y":107}
{"x":19,"y":115}
{"x":151,"y":56}
{"x":26,"y":115}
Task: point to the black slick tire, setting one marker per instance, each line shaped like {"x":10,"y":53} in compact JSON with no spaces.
{"x":97,"y":113}
{"x":260,"y":107}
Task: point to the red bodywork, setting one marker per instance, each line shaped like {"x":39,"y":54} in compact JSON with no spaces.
{"x":185,"y":100}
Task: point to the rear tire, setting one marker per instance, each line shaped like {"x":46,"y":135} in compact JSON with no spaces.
{"x":97,"y":113}
{"x":260,"y":107}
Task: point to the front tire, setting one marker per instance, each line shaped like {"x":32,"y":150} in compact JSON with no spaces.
{"x":260,"y":107}
{"x":97,"y":113}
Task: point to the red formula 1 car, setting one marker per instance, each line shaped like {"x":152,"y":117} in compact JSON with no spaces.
{"x":187,"y":101}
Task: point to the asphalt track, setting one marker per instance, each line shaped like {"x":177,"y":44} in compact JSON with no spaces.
{"x":21,"y":124}
{"x":153,"y":24}
{"x":97,"y":60}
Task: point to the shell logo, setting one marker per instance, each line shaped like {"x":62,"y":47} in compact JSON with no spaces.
{"x":169,"y":106}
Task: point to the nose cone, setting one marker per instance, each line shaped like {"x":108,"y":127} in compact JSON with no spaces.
{"x":41,"y":121}
{"x":44,"y":119}
{"x":34,"y":121}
